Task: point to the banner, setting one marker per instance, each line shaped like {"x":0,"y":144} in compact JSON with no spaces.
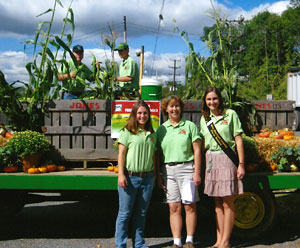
{"x":121,"y":110}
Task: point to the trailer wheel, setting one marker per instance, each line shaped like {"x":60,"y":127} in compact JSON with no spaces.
{"x":11,"y":202}
{"x":255,"y":213}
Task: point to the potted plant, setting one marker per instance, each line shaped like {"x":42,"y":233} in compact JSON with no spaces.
{"x":27,"y":146}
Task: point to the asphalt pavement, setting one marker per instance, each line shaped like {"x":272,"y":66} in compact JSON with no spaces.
{"x":90,"y":224}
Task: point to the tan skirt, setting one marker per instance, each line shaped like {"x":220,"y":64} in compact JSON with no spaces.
{"x":221,"y":176}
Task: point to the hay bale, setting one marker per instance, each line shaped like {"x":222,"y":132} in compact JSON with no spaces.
{"x":267,"y":146}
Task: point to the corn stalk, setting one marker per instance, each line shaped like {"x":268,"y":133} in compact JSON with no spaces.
{"x":219,"y":71}
{"x":42,"y":85}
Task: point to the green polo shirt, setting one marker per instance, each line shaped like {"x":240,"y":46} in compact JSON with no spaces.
{"x":228,"y":126}
{"x":129,"y":68}
{"x":140,"y":148}
{"x":176,"y":142}
{"x":83,"y":72}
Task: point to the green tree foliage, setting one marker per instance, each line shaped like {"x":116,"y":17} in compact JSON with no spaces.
{"x":262,"y":49}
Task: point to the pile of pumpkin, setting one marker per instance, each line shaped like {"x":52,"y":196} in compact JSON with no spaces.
{"x":284,"y":134}
{"x":113,"y":168}
{"x":36,"y":170}
{"x":46,"y":168}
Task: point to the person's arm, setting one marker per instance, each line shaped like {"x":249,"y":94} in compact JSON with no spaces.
{"x":157,"y":172}
{"x":122,"y":180}
{"x":240,"y":149}
{"x":64,"y":76}
{"x":197,"y":162}
{"x":124,"y":79}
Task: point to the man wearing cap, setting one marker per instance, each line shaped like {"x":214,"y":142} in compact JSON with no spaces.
{"x":73,"y":88}
{"x":128,"y":74}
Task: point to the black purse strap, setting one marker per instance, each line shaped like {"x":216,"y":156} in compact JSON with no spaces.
{"x":222,"y":143}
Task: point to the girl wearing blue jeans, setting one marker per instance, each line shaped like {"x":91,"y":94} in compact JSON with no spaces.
{"x":136,"y":175}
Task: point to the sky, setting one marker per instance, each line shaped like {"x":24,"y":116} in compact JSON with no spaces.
{"x":162,"y":45}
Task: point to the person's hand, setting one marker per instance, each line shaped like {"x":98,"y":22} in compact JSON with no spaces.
{"x":122,"y":181}
{"x":72,"y":75}
{"x":97,"y":63}
{"x":241,"y":172}
{"x":159,"y":182}
{"x":197,"y":179}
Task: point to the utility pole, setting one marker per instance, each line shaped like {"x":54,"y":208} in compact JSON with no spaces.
{"x":174,"y":74}
{"x":125,"y":29}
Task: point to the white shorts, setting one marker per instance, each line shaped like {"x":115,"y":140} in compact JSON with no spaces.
{"x":175,"y":176}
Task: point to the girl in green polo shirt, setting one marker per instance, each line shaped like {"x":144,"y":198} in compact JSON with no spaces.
{"x":222,"y":177}
{"x":137,"y":143}
{"x":179,"y":141}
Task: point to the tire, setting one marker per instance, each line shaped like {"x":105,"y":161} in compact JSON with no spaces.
{"x":11,"y":202}
{"x":255,"y":213}
{"x":296,"y":124}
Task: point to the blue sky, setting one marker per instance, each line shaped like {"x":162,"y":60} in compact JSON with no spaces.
{"x":18,"y":23}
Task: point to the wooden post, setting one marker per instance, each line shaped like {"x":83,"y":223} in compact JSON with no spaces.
{"x":141,"y":67}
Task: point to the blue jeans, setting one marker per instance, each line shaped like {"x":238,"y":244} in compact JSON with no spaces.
{"x":133,"y":201}
{"x":69,"y":96}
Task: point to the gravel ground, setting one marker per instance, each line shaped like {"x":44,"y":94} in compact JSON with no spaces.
{"x":90,"y":224}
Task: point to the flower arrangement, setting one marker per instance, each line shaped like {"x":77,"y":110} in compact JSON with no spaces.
{"x":27,"y":143}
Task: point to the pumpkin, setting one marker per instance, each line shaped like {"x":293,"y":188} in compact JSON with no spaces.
{"x":251,"y":167}
{"x":278,"y":136}
{"x":116,"y":169}
{"x":43,"y":169}
{"x":10,"y":169}
{"x":8,"y":135}
{"x":51,"y":167}
{"x":273,"y":167}
{"x":111,"y":168}
{"x":287,"y":137}
{"x":61,"y":168}
{"x":33,"y":170}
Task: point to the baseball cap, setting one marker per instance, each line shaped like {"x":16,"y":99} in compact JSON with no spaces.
{"x":121,"y":46}
{"x":78,"y":48}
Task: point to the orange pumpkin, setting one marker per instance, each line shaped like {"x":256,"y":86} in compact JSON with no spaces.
{"x":8,"y":135}
{"x":273,"y":166}
{"x":61,"y":168}
{"x":51,"y":167}
{"x":278,"y":136}
{"x":43,"y":169}
{"x":111,"y":168}
{"x":33,"y":170}
{"x":251,"y":167}
{"x":10,"y":169}
{"x":116,"y":169}
{"x":287,"y":137}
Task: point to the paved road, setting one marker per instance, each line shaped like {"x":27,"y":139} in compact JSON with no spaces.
{"x":90,"y":224}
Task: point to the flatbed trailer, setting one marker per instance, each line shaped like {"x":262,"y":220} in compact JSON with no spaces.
{"x":80,"y":130}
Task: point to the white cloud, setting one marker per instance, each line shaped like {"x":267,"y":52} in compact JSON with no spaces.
{"x":18,"y":19}
{"x":12,"y":64}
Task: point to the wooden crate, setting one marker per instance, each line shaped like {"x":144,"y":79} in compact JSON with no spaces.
{"x":80,"y":129}
{"x":275,"y":114}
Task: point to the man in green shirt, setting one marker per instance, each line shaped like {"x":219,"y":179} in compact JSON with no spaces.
{"x":128,"y":79}
{"x":72,"y":87}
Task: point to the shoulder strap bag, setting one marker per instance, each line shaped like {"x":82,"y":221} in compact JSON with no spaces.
{"x":222,"y":143}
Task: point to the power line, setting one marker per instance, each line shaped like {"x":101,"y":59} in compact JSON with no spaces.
{"x":160,"y":19}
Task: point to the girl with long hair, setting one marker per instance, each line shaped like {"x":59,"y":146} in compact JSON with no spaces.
{"x":137,"y":143}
